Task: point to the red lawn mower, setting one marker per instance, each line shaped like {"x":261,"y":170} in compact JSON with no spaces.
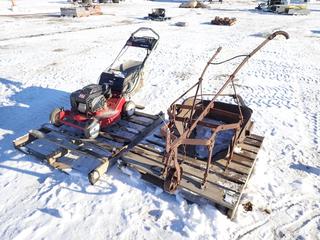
{"x":99,"y":105}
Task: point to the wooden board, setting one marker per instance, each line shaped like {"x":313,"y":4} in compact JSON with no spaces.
{"x":80,"y":11}
{"x":225,"y":185}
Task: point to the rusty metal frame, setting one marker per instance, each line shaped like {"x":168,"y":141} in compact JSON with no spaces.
{"x":172,"y":171}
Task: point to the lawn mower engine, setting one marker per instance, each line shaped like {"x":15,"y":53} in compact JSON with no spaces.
{"x":93,"y":107}
{"x":90,"y":99}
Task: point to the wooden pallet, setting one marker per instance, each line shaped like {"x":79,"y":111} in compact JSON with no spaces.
{"x":225,"y":185}
{"x":65,"y":149}
{"x":80,"y":11}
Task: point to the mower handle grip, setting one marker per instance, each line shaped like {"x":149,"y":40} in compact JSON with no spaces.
{"x":283,"y":33}
{"x":146,"y":29}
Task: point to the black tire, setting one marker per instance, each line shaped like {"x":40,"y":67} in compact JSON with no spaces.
{"x":54,"y":117}
{"x":92,"y":129}
{"x":128,"y":109}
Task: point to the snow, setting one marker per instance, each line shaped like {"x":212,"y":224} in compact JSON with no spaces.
{"x":43,"y":58}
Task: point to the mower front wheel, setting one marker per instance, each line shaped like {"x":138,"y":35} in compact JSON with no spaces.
{"x":55,"y":117}
{"x":92,"y":129}
{"x":129,"y":109}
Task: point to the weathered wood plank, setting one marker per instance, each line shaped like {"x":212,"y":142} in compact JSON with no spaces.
{"x":137,"y":121}
{"x":242,"y":160}
{"x":155,"y":142}
{"x":231,"y":213}
{"x":195,"y":172}
{"x":216,"y":167}
{"x":257,"y":137}
{"x":246,"y":154}
{"x":124,"y":122}
{"x":200,"y":164}
{"x":211,"y":192}
{"x":233,"y":166}
{"x":247,"y":147}
{"x":252,"y":142}
{"x":115,"y":137}
{"x":146,"y":115}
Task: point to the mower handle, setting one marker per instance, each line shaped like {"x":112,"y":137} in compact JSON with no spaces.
{"x":146,"y":29}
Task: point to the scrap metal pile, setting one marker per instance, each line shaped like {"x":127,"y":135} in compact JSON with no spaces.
{"x":206,"y":149}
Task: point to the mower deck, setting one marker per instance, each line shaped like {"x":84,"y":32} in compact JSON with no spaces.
{"x":225,"y":185}
{"x":65,"y":149}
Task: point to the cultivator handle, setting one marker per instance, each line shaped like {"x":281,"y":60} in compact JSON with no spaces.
{"x":283,"y":33}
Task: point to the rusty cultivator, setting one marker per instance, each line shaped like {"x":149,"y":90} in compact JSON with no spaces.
{"x":206,"y":149}
{"x":184,"y":119}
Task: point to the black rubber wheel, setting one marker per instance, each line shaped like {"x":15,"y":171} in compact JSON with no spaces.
{"x":92,"y":129}
{"x":128,"y":109}
{"x":55,"y":118}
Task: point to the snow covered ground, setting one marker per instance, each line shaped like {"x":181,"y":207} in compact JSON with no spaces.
{"x":43,"y":58}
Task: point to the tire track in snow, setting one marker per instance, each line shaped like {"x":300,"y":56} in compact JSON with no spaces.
{"x":70,"y":31}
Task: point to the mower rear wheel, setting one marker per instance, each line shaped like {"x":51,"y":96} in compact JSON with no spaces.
{"x":92,"y":129}
{"x":55,"y":117}
{"x":128,"y":109}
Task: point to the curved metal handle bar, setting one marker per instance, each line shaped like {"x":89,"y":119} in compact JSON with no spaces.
{"x":269,"y":38}
{"x":146,"y":29}
{"x":283,"y":33}
{"x":124,"y":48}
